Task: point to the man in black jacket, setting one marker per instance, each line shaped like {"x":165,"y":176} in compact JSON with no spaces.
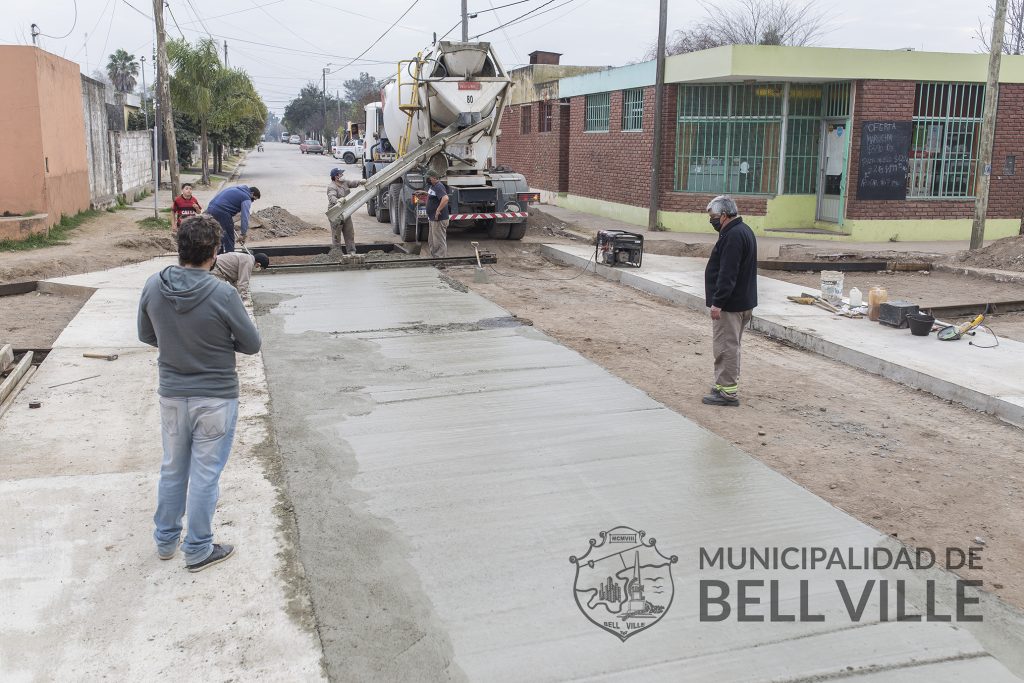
{"x":730,"y":291}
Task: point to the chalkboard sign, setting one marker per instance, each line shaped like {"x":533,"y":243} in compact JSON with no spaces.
{"x":884,"y":165}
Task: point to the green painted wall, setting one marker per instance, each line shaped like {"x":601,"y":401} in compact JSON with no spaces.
{"x":797,"y":211}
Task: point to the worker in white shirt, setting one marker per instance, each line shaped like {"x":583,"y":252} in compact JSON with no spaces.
{"x":235,"y":267}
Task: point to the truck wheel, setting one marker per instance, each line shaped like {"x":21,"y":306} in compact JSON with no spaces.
{"x":349,"y":158}
{"x":395,"y":207}
{"x":517,"y":231}
{"x":498,"y":231}
{"x":423,"y":231}
{"x":408,"y":229}
{"x":371,"y":207}
{"x":383,"y":212}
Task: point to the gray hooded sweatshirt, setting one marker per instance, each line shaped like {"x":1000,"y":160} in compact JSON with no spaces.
{"x":198,"y":323}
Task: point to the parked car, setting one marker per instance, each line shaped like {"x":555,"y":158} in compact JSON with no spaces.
{"x":348,"y":152}
{"x":311,"y":146}
{"x":284,"y":138}
{"x":294,"y":140}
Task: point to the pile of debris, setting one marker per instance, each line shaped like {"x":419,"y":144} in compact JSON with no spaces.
{"x":1004,"y":254}
{"x":274,"y":221}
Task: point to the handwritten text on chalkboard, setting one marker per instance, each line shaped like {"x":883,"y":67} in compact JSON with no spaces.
{"x":884,"y":148}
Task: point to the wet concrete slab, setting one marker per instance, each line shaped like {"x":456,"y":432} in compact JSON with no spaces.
{"x":986,"y":379}
{"x":444,"y":469}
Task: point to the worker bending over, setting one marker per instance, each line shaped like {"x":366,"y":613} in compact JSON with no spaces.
{"x":235,"y":268}
{"x":228,"y":203}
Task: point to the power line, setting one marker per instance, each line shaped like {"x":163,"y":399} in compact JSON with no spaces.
{"x":137,"y":10}
{"x":103,"y":52}
{"x":239,"y":11}
{"x":560,"y":16}
{"x":367,"y":16}
{"x":175,"y":20}
{"x":291,"y":49}
{"x":525,"y":16}
{"x":93,"y":29}
{"x":198,"y":17}
{"x":494,"y":9}
{"x":73,"y":24}
{"x":505,"y":33}
{"x":283,"y":25}
{"x":380,"y":37}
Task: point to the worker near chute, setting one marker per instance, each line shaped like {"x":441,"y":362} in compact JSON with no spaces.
{"x":337,"y":190}
{"x":438,"y":214}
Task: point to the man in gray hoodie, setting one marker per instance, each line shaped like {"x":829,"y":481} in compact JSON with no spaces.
{"x":198,"y":323}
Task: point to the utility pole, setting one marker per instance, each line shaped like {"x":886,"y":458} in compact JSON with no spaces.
{"x":226,"y":66}
{"x":988,"y":128}
{"x":659,"y":103}
{"x":35,"y":28}
{"x":156,"y":140}
{"x":325,"y":142}
{"x":164,"y":96}
{"x":465,"y":21}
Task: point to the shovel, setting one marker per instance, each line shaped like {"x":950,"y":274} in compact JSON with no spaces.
{"x":479,"y":275}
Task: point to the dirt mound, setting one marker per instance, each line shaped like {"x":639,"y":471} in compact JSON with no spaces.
{"x":804,"y":252}
{"x":148,"y":242}
{"x":674,"y":248}
{"x":1004,"y":254}
{"x":274,"y":221}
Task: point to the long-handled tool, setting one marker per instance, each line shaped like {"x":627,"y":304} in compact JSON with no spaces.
{"x":101,"y":356}
{"x":479,"y":275}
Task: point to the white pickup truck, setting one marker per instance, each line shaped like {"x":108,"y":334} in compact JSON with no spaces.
{"x":348,"y":152}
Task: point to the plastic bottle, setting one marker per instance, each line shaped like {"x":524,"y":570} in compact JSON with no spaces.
{"x":876,"y":297}
{"x":856,"y":298}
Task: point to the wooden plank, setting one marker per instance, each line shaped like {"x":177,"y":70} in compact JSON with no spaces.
{"x":12,"y":379}
{"x":6,"y":405}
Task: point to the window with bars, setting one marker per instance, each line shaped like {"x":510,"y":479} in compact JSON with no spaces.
{"x":633,"y":109}
{"x":545,"y":117}
{"x":597,"y":112}
{"x":526,"y":119}
{"x":728,"y":138}
{"x":945,"y":139}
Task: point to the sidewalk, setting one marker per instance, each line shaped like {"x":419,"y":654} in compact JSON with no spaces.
{"x":988,"y":380}
{"x":767,"y":247}
{"x":85,"y":596}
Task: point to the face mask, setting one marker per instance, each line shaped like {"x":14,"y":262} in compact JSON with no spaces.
{"x":716,"y":223}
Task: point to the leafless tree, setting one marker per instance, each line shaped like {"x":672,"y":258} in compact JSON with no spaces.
{"x":751,"y":22}
{"x":1013,"y":40}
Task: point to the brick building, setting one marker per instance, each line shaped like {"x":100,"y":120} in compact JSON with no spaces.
{"x":783,"y":130}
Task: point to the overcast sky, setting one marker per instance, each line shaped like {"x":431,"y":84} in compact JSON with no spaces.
{"x":283,"y":44}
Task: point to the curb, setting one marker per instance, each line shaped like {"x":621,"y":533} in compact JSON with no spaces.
{"x":984,"y":273}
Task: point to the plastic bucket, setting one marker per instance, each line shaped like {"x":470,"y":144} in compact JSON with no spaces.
{"x":920,"y":324}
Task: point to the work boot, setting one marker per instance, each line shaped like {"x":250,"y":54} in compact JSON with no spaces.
{"x":221,"y":552}
{"x":717,"y":397}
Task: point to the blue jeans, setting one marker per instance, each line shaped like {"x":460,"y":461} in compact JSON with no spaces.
{"x":197,"y":435}
{"x":227,"y":231}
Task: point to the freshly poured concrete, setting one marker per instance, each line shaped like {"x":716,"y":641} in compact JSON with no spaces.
{"x":444,"y":463}
{"x":84,"y":595}
{"x":990,"y":380}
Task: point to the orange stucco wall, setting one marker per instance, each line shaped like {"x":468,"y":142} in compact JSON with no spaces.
{"x":43,"y":166}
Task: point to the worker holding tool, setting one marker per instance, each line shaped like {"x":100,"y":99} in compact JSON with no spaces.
{"x":198,"y":323}
{"x":236,"y":267}
{"x":438,"y":214}
{"x":229,"y":203}
{"x":336,"y":191}
{"x":730,"y":291}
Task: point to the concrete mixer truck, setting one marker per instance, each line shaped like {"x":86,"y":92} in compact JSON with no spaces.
{"x":440,"y":114}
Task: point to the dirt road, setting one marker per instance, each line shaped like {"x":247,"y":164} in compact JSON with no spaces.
{"x":909,"y":464}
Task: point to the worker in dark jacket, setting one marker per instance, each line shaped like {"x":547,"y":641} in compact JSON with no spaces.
{"x":225,"y":206}
{"x":730,"y":291}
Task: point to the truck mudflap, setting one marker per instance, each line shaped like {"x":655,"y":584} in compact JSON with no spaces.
{"x":481,"y":216}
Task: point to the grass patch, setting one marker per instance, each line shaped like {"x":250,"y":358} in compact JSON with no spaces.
{"x":152,"y":223}
{"x":58,"y":234}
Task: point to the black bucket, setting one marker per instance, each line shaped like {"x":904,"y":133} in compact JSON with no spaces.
{"x":920,"y":324}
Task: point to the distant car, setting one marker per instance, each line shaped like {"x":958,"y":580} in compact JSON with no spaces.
{"x":311,"y":147}
{"x":294,"y":140}
{"x":284,"y":138}
{"x":348,"y":152}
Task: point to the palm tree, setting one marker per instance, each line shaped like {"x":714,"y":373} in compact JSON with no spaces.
{"x":195,"y":70}
{"x":123,"y":70}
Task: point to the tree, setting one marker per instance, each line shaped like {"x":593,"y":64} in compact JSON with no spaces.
{"x":123,"y":70}
{"x":1013,"y":40}
{"x":751,"y":22}
{"x":362,"y":91}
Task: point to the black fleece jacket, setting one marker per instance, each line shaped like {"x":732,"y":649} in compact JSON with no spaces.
{"x":730,"y":279}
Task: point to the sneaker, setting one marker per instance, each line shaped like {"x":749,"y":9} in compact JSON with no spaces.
{"x":719,"y":398}
{"x":221,"y":552}
{"x":167,"y":555}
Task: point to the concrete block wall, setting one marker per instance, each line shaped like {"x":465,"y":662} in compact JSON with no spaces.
{"x":133,"y":160}
{"x":99,"y":154}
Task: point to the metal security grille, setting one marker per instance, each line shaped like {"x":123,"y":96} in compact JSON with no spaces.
{"x":945,"y":139}
{"x":633,"y":109}
{"x":837,"y":100}
{"x":526,"y":119}
{"x":803,"y":137}
{"x":598,"y":108}
{"x":728,"y":138}
{"x":544,"y":122}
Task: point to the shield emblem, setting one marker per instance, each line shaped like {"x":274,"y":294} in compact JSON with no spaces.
{"x":623,"y":582}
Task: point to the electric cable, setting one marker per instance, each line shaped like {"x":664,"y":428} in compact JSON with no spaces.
{"x":379,"y":38}
{"x":558,"y":18}
{"x":103,"y":52}
{"x":290,"y":49}
{"x":505,"y":33}
{"x":513,"y":21}
{"x":93,"y":29}
{"x":73,"y":24}
{"x":552,"y":279}
{"x":175,"y":20}
{"x":137,"y":10}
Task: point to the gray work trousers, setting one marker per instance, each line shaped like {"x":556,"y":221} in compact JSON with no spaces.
{"x":344,"y":230}
{"x":437,"y":239}
{"x":726,"y":337}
